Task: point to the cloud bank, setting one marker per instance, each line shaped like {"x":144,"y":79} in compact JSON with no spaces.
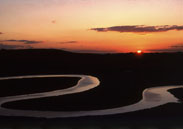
{"x":173,"y":48}
{"x":68,"y":42}
{"x":177,"y":46}
{"x":5,"y":46}
{"x":25,"y":41}
{"x":139,"y":28}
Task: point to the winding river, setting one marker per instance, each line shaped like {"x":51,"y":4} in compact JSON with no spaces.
{"x":151,"y":97}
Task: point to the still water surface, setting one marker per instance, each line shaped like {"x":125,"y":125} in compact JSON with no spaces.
{"x":151,"y":97}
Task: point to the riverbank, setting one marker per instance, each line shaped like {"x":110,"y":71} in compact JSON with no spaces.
{"x":12,"y":87}
{"x":178,"y":93}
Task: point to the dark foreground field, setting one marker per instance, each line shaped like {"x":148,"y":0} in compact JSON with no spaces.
{"x":123,"y":77}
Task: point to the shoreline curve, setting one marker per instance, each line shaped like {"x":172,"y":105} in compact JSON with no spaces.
{"x":152,"y":97}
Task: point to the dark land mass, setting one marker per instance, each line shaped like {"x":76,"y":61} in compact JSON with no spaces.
{"x":178,"y":93}
{"x":35,"y":85}
{"x":123,"y":77}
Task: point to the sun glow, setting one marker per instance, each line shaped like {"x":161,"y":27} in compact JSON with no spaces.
{"x":149,"y":25}
{"x":139,"y":52}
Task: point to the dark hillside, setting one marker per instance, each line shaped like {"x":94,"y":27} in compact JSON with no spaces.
{"x":123,"y":76}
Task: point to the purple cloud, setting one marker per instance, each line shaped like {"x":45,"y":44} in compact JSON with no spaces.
{"x":139,"y":28}
{"x":6,"y":46}
{"x":25,"y":41}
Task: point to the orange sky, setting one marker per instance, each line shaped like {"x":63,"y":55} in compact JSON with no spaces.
{"x":70,"y":24}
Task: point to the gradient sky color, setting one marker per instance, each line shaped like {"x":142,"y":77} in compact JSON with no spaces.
{"x":68,"y":24}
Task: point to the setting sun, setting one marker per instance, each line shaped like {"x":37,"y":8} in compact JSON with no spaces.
{"x":139,"y":51}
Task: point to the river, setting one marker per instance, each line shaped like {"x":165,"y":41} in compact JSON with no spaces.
{"x":151,"y":97}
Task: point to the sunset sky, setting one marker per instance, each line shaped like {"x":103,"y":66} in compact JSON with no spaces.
{"x":92,"y":25}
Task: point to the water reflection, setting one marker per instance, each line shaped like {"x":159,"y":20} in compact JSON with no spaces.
{"x":152,"y":97}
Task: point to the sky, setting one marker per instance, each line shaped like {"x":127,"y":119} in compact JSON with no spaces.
{"x":92,"y":25}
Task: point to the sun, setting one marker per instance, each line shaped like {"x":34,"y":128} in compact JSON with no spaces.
{"x":139,"y":51}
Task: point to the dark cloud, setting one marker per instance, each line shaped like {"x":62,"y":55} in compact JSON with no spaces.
{"x":1,"y":32}
{"x":162,"y":50}
{"x":25,"y":41}
{"x":173,"y":48}
{"x":69,"y":42}
{"x":54,"y":21}
{"x":5,"y":46}
{"x":139,"y":28}
{"x":177,"y":46}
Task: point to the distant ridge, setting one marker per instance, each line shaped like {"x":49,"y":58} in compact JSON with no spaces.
{"x":60,"y":51}
{"x":36,"y":50}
